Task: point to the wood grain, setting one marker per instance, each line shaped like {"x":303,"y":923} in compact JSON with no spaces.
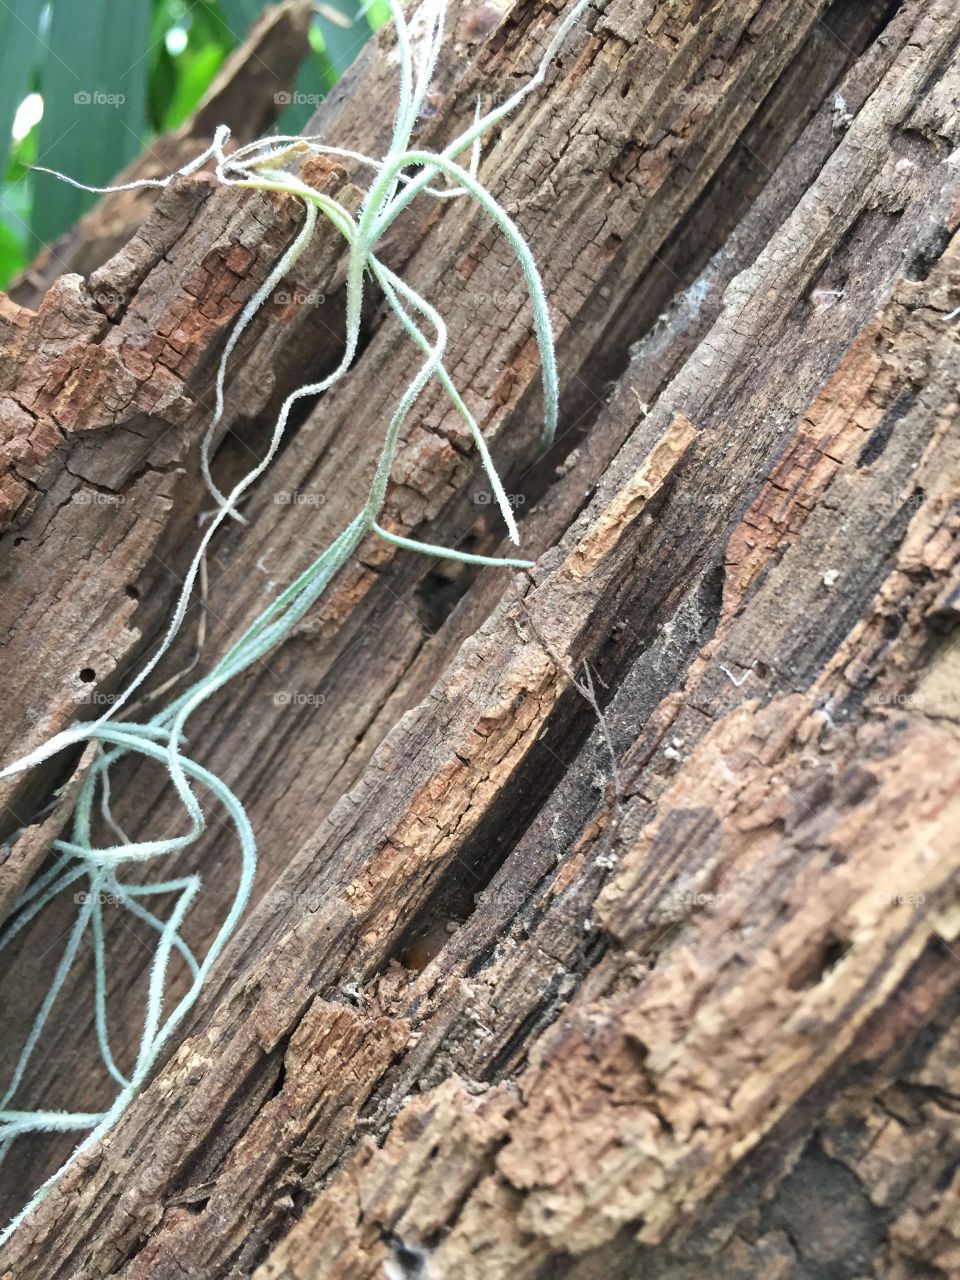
{"x":492,"y":1015}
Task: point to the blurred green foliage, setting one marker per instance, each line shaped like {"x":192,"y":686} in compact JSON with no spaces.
{"x":86,"y":84}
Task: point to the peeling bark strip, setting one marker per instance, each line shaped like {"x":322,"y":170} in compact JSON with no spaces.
{"x":487,"y":1018}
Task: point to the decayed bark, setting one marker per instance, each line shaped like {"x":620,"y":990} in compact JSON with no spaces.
{"x":500,"y":1010}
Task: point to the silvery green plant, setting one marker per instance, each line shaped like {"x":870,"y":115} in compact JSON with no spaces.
{"x":262,"y":166}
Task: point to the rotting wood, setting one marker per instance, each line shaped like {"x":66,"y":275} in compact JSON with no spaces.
{"x":770,"y":635}
{"x":131,"y":276}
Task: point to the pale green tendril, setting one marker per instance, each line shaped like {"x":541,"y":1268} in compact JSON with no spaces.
{"x":259,"y":165}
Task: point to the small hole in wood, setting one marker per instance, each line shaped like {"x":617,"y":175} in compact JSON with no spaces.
{"x":821,"y":964}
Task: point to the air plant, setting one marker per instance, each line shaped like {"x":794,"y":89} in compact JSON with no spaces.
{"x":261,"y":166}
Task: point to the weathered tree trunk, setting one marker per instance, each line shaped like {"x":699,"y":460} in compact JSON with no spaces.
{"x":503,"y":1008}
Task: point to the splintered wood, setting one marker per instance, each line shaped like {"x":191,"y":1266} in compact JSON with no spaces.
{"x":489,"y":1017}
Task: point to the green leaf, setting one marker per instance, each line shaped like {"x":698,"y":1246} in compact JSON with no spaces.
{"x":334,"y":48}
{"x":94,"y":99}
{"x":15,"y":204}
{"x":20,"y":52}
{"x":16,"y":239}
{"x":13,"y":254}
{"x":194,"y":71}
{"x":162,"y":76}
{"x":239,"y":16}
{"x":316,"y":78}
{"x":161,"y":88}
{"x":378,"y":14}
{"x":207,"y":26}
{"x":23,"y":154}
{"x":344,"y":43}
{"x":178,"y":81}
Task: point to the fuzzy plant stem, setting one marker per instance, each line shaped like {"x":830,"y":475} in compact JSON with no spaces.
{"x":261,"y":166}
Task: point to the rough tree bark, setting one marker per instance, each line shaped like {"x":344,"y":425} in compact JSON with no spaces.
{"x":502,"y":1009}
